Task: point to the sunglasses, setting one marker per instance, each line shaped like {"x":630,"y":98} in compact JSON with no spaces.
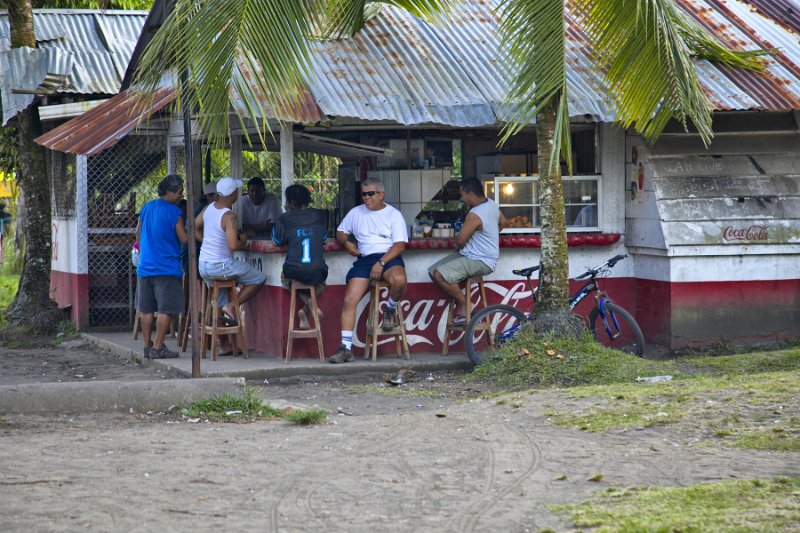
{"x":369,"y":193}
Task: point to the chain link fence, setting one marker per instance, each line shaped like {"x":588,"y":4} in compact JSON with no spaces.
{"x":119,"y":182}
{"x":122,"y":179}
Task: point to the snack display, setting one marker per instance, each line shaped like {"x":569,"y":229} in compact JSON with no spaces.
{"x":520,"y":221}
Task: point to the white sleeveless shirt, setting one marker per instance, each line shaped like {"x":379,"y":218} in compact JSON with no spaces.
{"x":215,"y":241}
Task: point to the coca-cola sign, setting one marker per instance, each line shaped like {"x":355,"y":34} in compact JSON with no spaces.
{"x":426,"y":319}
{"x":750,"y":233}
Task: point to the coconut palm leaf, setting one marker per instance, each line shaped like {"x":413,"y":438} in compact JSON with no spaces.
{"x":256,"y":48}
{"x":533,"y":34}
{"x":644,"y":48}
{"x":256,"y":52}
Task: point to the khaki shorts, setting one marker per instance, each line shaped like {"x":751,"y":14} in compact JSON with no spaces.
{"x":456,"y":268}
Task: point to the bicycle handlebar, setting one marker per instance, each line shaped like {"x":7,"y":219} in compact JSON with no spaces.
{"x":591,"y":272}
{"x":610,"y":264}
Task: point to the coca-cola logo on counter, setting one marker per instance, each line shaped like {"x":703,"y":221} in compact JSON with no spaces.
{"x":426,"y":319}
{"x":752,"y":233}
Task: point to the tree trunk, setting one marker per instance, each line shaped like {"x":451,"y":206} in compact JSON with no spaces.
{"x":32,"y":306}
{"x":33,"y":295}
{"x":552,"y":313}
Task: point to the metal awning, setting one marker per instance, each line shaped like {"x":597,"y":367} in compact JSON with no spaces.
{"x":102,"y":127}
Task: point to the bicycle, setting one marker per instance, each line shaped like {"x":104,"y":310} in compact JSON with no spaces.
{"x":500,"y":323}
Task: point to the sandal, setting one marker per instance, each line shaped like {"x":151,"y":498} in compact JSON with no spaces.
{"x":227,"y":321}
{"x":459,"y":321}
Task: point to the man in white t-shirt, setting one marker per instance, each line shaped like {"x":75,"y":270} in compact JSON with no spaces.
{"x":260,"y":210}
{"x":381,"y":235}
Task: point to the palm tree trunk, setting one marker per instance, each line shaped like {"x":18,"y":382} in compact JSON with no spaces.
{"x":552,"y":312}
{"x":32,"y":306}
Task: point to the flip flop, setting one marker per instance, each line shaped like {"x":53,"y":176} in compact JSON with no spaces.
{"x":458,"y":321}
{"x":227,"y":321}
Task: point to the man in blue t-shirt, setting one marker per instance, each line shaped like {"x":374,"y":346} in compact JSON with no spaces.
{"x":160,"y":232}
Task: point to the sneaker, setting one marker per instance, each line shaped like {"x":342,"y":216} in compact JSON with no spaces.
{"x":389,"y":319}
{"x":342,"y":355}
{"x":162,"y":353}
{"x":303,"y":319}
{"x":147,"y":351}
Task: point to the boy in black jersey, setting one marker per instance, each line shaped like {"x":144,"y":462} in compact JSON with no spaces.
{"x":303,"y":230}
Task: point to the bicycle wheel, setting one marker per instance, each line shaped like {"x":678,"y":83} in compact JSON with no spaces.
{"x":619,"y":330}
{"x":491,"y":327}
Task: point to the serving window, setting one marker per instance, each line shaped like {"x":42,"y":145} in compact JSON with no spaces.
{"x":518,"y":198}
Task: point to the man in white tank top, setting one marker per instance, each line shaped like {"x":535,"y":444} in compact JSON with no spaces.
{"x":218,"y":227}
{"x":478,"y":245}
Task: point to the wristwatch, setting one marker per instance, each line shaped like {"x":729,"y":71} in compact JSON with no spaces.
{"x":382,"y":262}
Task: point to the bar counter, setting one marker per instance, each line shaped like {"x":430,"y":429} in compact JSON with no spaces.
{"x":425,"y":307}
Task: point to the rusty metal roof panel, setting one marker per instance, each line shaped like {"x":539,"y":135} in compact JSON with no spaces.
{"x":745,"y":25}
{"x":403,"y":69}
{"x":103,"y":126}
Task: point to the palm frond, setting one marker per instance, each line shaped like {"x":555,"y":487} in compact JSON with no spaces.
{"x":534,"y":36}
{"x":646,"y":50}
{"x":347,"y":17}
{"x":258,"y":48}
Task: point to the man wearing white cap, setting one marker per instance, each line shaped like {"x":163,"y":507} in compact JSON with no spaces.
{"x":218,"y":227}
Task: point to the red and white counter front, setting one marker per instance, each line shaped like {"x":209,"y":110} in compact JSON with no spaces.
{"x":425,"y":307}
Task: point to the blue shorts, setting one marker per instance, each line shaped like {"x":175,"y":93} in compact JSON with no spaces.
{"x":231,"y":268}
{"x":363,"y":266}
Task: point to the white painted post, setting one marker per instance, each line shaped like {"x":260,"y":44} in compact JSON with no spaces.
{"x":82,"y":212}
{"x":236,"y":170}
{"x":287,"y":157}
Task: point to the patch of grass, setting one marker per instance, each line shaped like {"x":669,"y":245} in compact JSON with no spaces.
{"x":777,"y":439}
{"x":732,"y":409}
{"x":234,"y":408}
{"x":8,"y":289}
{"x":65,"y":330}
{"x":535,"y":361}
{"x":748,"y":363}
{"x":306,"y":417}
{"x":739,"y":506}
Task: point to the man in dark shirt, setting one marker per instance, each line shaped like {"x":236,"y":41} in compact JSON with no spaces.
{"x":303,"y":230}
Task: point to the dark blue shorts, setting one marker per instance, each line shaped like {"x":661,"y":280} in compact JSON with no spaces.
{"x":363,"y":266}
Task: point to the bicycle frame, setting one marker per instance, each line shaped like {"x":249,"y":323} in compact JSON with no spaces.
{"x":612,"y":329}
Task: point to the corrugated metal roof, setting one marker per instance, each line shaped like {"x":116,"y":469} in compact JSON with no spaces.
{"x":401,"y":69}
{"x":404,"y":70}
{"x":91,"y":48}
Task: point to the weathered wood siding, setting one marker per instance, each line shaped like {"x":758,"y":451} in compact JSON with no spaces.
{"x":716,"y":230}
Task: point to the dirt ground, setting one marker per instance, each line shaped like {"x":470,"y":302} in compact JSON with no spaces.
{"x":426,"y":456}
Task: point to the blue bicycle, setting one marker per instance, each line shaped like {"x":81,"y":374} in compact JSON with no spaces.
{"x":610,"y":324}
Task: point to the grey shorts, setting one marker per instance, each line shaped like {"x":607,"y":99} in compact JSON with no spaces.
{"x":456,"y":268}
{"x":160,"y":293}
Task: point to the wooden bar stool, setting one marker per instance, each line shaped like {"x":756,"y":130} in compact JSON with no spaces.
{"x":294,"y":333}
{"x":374,"y":329}
{"x":449,"y":327}
{"x":211,"y":312}
{"x":187,"y":320}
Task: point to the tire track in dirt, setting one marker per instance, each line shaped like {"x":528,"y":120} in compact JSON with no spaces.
{"x":532,"y":455}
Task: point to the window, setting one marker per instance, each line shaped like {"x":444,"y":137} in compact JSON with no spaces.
{"x":518,"y":198}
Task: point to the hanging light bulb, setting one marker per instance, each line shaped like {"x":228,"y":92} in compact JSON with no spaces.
{"x":509,"y":189}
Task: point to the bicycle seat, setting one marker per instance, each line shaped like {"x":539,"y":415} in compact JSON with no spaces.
{"x":526,"y":271}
